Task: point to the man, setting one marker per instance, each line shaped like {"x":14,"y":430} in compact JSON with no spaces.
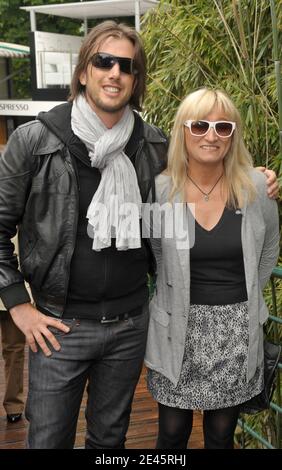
{"x":48,"y":178}
{"x":13,"y":342}
{"x":13,"y":345}
{"x":91,"y":296}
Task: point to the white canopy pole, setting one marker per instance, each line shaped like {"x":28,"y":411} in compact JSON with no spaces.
{"x":137,"y":16}
{"x":32,"y":20}
{"x":85,"y":26}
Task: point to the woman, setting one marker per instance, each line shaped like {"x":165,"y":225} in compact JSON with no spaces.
{"x":205,"y":342}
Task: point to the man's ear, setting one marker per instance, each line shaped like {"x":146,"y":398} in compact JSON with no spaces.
{"x":82,"y":78}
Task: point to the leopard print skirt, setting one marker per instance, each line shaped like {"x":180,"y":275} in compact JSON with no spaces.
{"x":214,"y":368}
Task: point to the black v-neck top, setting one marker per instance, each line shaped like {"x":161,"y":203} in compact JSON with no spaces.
{"x":217,"y":266}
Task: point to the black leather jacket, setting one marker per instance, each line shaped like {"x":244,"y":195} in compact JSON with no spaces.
{"x":39,"y":195}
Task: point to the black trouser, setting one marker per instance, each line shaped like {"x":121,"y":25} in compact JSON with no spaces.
{"x":175,"y":426}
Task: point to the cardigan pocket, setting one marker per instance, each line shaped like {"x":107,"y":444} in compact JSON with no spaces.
{"x":158,"y":314}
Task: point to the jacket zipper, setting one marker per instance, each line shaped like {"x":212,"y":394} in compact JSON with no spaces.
{"x":139,"y":150}
{"x":77,"y":189}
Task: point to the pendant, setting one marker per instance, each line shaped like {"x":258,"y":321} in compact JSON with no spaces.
{"x":206,"y":197}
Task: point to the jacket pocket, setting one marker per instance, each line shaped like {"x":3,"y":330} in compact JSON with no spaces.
{"x":159,"y":345}
{"x":158,"y":314}
{"x":27,"y":244}
{"x":71,"y":323}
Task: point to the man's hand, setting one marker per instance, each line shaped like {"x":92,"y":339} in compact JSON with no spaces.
{"x":34,"y":326}
{"x":271,"y":181}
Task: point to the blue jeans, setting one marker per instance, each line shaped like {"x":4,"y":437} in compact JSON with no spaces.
{"x":108,"y":356}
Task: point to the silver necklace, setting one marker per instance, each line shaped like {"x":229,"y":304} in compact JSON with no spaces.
{"x":206,"y":195}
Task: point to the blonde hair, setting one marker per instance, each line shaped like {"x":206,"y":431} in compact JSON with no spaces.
{"x":197,"y":105}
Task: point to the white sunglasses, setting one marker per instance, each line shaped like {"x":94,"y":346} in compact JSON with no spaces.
{"x":201,"y":128}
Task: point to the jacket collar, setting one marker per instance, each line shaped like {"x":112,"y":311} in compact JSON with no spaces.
{"x":58,"y":121}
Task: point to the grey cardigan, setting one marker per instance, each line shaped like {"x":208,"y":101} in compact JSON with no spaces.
{"x":169,"y":308}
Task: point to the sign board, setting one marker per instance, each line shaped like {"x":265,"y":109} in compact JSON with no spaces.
{"x":53,"y":60}
{"x":25,"y":108}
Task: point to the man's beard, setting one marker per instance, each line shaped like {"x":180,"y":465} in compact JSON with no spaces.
{"x":111,"y":109}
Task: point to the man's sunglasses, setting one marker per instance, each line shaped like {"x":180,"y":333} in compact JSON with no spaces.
{"x":201,"y":128}
{"x":102,"y":60}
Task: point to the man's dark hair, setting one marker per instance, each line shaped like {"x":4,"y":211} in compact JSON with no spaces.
{"x":91,"y":44}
